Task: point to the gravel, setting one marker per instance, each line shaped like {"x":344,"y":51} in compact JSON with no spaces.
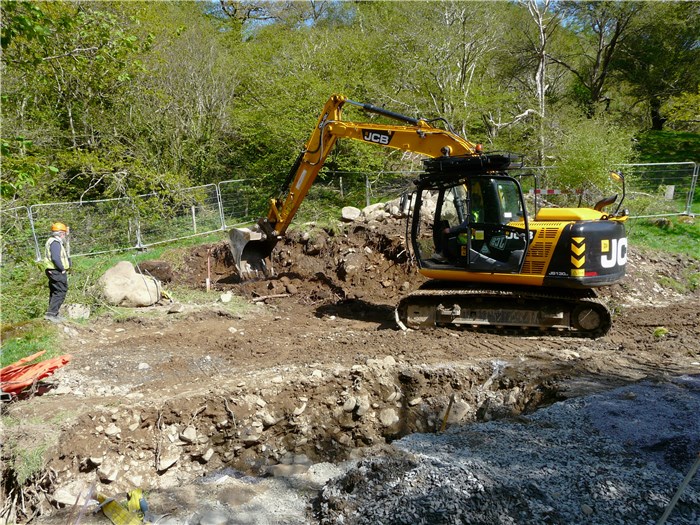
{"x":612,"y":458}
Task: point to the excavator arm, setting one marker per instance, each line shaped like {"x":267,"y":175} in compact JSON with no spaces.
{"x":250,"y":247}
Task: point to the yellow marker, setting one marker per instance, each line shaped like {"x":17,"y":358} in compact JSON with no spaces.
{"x":578,"y":273}
{"x":116,"y":513}
{"x":578,"y":263}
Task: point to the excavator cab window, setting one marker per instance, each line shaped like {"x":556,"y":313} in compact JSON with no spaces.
{"x":478,"y":225}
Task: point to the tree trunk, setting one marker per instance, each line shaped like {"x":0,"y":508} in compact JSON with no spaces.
{"x":657,"y":120}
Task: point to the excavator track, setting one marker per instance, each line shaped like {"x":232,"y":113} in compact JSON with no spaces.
{"x":511,"y":310}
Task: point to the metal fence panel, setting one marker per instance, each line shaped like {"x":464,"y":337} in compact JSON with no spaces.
{"x":185,"y":213}
{"x":117,"y":224}
{"x":660,"y":189}
{"x":95,"y":226}
{"x":240,"y":201}
{"x":17,"y":239}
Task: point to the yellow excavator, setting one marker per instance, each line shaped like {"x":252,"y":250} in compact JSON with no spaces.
{"x":489,"y":265}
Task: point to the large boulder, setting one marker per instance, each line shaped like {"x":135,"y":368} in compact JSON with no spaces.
{"x":122,"y":285}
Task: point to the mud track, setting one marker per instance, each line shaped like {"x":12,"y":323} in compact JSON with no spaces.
{"x":315,"y":369}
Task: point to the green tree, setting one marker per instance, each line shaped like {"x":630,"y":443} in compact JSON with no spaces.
{"x":64,"y":66}
{"x":601,"y":28}
{"x":660,"y":58}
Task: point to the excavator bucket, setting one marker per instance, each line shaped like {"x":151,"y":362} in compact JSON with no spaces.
{"x":250,"y":249}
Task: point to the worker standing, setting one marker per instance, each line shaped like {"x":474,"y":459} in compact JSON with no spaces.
{"x":57,"y":265}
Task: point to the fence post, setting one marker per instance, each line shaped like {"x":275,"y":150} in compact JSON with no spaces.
{"x":367,"y":189}
{"x":691,"y":192}
{"x":37,"y":252}
{"x":221,"y":206}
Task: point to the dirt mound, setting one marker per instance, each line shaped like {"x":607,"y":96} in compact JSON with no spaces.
{"x":365,"y":262}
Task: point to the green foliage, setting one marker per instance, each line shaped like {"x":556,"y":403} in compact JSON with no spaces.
{"x":21,"y":168}
{"x":26,"y":462}
{"x":660,"y":332}
{"x":682,"y":111}
{"x":109,"y":99}
{"x":587,"y":148}
{"x":25,"y":288}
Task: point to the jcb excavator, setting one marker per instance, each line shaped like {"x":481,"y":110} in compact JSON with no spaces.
{"x":490,"y":266}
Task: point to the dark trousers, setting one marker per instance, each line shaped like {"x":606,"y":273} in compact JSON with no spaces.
{"x":58,"y":288}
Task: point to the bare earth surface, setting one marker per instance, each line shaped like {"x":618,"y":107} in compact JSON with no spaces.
{"x":240,"y":415}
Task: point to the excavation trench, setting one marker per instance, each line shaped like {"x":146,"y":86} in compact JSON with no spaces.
{"x":321,"y":414}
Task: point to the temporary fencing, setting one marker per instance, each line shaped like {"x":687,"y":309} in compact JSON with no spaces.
{"x":658,"y":190}
{"x":108,"y":225}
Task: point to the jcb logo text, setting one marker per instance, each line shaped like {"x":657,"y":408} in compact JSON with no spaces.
{"x":378,"y":137}
{"x":614,"y":253}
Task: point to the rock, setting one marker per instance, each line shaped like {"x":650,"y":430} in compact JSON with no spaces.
{"x":363,"y":405}
{"x":299,"y":410}
{"x":268,"y":420}
{"x":107,"y":474}
{"x":143,"y":366}
{"x":71,"y":494}
{"x":167,"y":460}
{"x":314,"y":246}
{"x":121,"y":285}
{"x":77,"y":311}
{"x":61,"y":390}
{"x":214,"y":517}
{"x":176,"y":308}
{"x":207,"y":455}
{"x":226,"y":297}
{"x":388,"y":417}
{"x":252,"y":434}
{"x":287,"y":471}
{"x":350,"y":214}
{"x":350,"y":404}
{"x":189,"y":435}
{"x":459,"y":411}
{"x":112,"y":430}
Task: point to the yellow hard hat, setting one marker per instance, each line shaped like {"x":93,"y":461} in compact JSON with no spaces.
{"x":59,"y":227}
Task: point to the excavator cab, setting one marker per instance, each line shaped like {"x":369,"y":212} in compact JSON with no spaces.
{"x":479,"y":221}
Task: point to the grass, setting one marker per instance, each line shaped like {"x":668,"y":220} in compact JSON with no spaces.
{"x":675,"y":235}
{"x":668,"y":146}
{"x":27,"y":338}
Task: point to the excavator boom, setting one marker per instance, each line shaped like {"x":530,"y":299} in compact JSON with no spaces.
{"x":252,"y":246}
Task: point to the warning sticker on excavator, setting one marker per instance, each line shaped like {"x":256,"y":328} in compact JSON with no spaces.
{"x":578,"y":257}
